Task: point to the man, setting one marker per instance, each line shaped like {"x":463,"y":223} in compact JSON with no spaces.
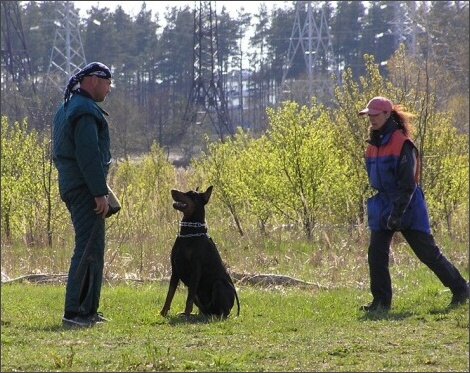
{"x":81,"y":154}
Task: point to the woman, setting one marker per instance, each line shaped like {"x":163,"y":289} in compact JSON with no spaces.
{"x":392,"y":166}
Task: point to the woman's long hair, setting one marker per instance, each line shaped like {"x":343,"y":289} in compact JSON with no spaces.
{"x":403,"y":119}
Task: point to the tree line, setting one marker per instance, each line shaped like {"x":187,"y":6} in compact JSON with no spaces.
{"x":306,"y":171}
{"x":151,"y":58}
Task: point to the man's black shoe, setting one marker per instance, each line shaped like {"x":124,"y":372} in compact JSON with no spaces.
{"x":375,"y":306}
{"x":98,"y":318}
{"x":460,"y":297}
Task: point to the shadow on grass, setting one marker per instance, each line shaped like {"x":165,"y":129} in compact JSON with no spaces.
{"x":390,"y":315}
{"x":192,"y":319}
{"x":446,"y":309}
{"x":383,"y":315}
{"x":59,"y":328}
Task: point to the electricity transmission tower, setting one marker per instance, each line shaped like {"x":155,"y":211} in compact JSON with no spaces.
{"x":15,"y":57}
{"x":313,"y":38}
{"x":207,"y":99}
{"x":67,"y":54}
{"x":405,"y":25}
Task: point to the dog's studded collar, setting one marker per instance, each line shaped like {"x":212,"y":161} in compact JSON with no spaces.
{"x":193,"y":235}
{"x":193,"y":225}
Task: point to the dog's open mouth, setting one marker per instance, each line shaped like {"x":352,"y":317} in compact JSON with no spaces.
{"x":179,"y":205}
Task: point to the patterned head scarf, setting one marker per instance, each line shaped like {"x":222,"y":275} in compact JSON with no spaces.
{"x":92,"y":69}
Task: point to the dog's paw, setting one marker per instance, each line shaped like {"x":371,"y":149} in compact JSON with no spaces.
{"x":163,"y":312}
{"x":186,"y":315}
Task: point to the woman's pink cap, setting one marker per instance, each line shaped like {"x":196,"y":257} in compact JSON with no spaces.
{"x":377,"y":105}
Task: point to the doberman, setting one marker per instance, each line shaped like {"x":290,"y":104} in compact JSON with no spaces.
{"x":196,"y":261}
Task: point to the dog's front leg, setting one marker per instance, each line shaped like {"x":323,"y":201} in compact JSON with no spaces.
{"x":192,"y":290}
{"x":174,"y":280}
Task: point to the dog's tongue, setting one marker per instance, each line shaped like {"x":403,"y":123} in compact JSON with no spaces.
{"x":179,"y":205}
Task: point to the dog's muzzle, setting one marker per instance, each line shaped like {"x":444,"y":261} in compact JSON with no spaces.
{"x":179,"y":205}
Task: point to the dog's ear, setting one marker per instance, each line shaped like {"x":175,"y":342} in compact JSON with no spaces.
{"x":207,"y":194}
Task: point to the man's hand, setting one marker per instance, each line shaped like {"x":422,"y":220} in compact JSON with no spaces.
{"x":102,"y":206}
{"x":113,"y":203}
{"x":394,"y":223}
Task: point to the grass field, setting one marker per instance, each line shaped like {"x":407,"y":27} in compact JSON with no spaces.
{"x":280,"y":328}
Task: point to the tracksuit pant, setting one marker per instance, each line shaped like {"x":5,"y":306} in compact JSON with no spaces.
{"x":425,"y":248}
{"x":82,"y":294}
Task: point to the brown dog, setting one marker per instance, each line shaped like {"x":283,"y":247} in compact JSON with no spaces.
{"x":196,"y":261}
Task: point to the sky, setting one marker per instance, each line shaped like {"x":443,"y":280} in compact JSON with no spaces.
{"x":133,"y":7}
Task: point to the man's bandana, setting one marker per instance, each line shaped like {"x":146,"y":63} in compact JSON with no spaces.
{"x":92,"y":69}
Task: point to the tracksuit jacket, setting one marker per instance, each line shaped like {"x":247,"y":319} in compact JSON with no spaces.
{"x":392,"y":167}
{"x":77,"y":165}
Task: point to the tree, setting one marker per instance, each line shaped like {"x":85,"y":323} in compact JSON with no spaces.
{"x":153,"y":67}
{"x":377,"y":39}
{"x":443,"y":150}
{"x":221,"y":168}
{"x":311,"y":168}
{"x":278,"y":41}
{"x":446,"y":181}
{"x":29,"y":194}
{"x":346,"y":30}
{"x":448,"y":27}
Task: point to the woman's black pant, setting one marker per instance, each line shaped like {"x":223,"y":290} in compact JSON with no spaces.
{"x":425,"y":248}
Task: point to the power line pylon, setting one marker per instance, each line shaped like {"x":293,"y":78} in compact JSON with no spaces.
{"x":207,"y":99}
{"x":15,"y":57}
{"x":317,"y":50}
{"x":67,"y":55}
{"x":405,"y":24}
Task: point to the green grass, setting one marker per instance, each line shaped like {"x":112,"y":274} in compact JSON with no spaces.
{"x":279,"y":329}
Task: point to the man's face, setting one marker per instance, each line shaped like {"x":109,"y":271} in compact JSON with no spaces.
{"x":102,"y":88}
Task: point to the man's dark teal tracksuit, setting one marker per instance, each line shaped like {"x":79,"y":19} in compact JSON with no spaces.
{"x":81,"y":153}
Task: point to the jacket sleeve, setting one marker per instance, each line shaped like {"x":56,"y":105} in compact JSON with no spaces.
{"x":88,"y":155}
{"x":405,"y":179}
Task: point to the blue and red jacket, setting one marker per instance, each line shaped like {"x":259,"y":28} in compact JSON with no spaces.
{"x":392,"y":166}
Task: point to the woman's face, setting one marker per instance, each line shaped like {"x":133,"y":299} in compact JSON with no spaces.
{"x":378,"y":120}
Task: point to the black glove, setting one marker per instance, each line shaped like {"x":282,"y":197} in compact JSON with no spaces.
{"x":394,"y":223}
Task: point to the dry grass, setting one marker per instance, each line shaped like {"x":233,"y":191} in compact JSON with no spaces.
{"x":333,"y":258}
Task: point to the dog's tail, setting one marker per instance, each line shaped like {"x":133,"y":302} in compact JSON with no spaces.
{"x":238,"y":302}
{"x":236,"y":295}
